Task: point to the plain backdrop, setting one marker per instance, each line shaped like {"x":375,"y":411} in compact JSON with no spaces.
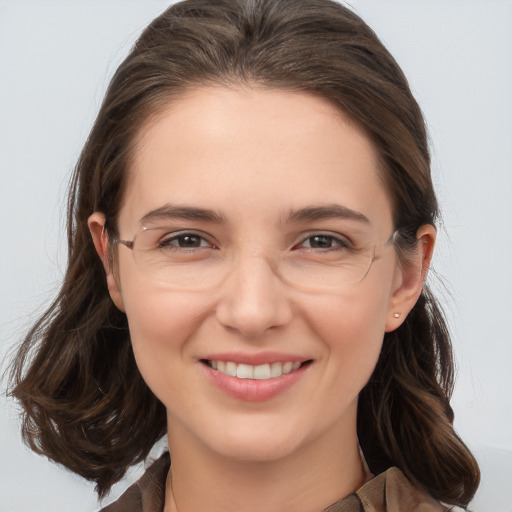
{"x":56,"y":58}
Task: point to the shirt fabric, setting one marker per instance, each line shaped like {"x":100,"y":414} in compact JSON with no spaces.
{"x":390,"y":491}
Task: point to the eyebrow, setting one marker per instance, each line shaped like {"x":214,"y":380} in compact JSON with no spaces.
{"x":170,"y":211}
{"x":329,"y":211}
{"x":306,"y":214}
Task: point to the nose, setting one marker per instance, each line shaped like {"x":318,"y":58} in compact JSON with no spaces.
{"x":253,"y":298}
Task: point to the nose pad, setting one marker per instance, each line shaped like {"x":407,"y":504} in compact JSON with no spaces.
{"x":253,"y":298}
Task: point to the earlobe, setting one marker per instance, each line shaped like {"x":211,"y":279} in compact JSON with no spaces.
{"x":96,"y":224}
{"x":412,"y":275}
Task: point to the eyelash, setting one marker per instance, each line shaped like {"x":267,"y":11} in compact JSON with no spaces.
{"x":168,"y":242}
{"x":336,"y":241}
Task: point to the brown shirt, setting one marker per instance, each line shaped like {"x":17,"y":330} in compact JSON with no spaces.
{"x":387,"y":492}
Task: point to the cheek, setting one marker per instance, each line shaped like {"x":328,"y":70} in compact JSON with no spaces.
{"x":155,"y":319}
{"x":160,"y":323}
{"x":351,"y":329}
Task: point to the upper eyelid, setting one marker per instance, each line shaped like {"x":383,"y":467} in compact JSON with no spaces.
{"x":179,"y":232}
{"x":335,"y":235}
{"x":173,"y":234}
{"x":338,"y":243}
{"x":294,"y":239}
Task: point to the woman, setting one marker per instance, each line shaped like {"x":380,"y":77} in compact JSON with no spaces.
{"x":250,"y":226}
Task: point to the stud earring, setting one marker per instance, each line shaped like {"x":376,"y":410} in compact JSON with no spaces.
{"x":396,"y":315}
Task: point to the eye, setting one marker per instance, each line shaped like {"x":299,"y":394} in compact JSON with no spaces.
{"x":325,"y":242}
{"x":184,"y":241}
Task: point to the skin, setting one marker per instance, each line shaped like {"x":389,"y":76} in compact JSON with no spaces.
{"x":253,"y":155}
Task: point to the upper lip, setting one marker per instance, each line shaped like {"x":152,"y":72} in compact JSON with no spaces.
{"x":255,"y":359}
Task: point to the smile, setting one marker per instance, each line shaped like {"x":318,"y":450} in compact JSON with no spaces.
{"x":247,"y":371}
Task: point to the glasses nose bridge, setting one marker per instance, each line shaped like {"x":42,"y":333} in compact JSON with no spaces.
{"x":250,"y":260}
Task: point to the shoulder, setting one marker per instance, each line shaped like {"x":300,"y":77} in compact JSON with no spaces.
{"x":401,"y":495}
{"x":148,"y":493}
{"x":392,"y":491}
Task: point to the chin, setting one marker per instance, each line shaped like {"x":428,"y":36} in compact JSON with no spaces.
{"x":255,"y":442}
{"x":255,"y":450}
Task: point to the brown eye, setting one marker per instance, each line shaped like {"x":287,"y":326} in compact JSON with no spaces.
{"x":188,"y":241}
{"x":321,"y":242}
{"x":324,"y":242}
{"x":184,"y":241}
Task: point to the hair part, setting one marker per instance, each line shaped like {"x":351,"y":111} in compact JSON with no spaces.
{"x":85,"y":403}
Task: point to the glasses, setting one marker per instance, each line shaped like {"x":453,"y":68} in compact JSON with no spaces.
{"x":190,"y":260}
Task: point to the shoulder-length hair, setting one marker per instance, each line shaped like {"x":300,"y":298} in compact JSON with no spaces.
{"x":85,"y":404}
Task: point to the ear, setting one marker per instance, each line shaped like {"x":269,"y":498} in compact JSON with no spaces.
{"x":96,"y":224}
{"x":410,"y":278}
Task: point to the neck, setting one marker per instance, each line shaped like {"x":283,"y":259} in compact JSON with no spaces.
{"x":308,"y":480}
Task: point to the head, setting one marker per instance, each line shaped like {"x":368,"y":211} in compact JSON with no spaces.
{"x":312,"y":49}
{"x":267,"y":45}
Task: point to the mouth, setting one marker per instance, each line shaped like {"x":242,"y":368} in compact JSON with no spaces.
{"x":261,"y":372}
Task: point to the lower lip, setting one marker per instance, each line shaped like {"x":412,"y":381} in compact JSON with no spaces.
{"x":253,"y":390}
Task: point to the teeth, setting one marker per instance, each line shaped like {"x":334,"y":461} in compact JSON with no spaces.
{"x":247,"y":371}
{"x":244,"y":371}
{"x":276,"y":370}
{"x":262,"y":372}
{"x":231,"y":369}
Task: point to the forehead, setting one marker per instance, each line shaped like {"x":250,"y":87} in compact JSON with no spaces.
{"x":247,"y":151}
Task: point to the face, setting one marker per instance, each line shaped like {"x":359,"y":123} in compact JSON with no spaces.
{"x":254,"y":185}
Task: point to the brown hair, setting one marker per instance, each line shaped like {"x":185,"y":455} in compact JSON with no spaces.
{"x":85,"y":403}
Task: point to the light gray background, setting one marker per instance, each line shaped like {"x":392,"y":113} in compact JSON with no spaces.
{"x":55,"y":60}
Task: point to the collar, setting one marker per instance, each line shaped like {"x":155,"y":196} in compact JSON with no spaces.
{"x":390,"y":491}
